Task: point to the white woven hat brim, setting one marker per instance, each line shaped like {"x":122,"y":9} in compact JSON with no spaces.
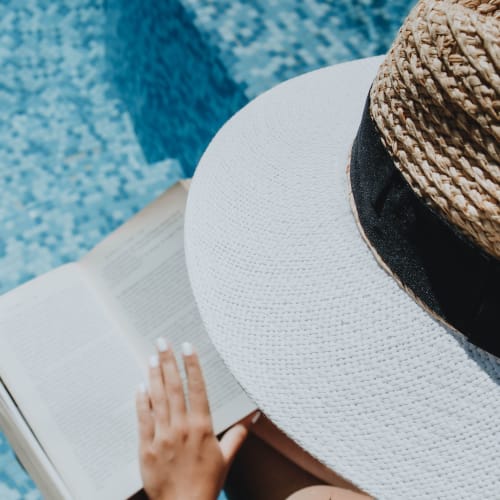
{"x":322,"y":338}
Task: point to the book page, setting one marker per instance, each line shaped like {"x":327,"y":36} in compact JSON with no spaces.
{"x":73,"y":377}
{"x":140,"y":270}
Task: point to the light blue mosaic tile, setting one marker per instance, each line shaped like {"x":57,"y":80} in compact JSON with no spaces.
{"x":183,"y":67}
{"x":71,"y":168}
{"x":177,"y":91}
{"x":264,"y":42}
{"x":15,"y":484}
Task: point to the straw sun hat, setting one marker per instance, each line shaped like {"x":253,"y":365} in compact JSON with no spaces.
{"x":361,"y":310}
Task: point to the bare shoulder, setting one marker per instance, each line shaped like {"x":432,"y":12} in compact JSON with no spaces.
{"x":327,"y":493}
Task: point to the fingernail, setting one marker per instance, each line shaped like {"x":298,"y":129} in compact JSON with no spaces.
{"x":187,"y":348}
{"x":256,"y":417}
{"x":142,"y":388}
{"x":161,"y":344}
{"x":153,"y":361}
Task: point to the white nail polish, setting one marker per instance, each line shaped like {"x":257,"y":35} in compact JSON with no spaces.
{"x":256,"y":417}
{"x":153,"y":361}
{"x":161,"y":344}
{"x":142,"y":388}
{"x":187,"y":348}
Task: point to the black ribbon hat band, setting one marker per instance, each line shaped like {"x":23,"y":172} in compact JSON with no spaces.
{"x":448,"y":273}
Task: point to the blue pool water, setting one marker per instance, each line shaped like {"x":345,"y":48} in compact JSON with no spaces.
{"x":105,"y":104}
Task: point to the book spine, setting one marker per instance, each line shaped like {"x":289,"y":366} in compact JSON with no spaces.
{"x":29,"y":450}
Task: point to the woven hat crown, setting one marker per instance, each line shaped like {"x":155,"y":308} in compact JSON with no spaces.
{"x":436,"y":103}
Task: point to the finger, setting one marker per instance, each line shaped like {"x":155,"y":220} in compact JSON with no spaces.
{"x":233,"y":438}
{"x":197,"y":392}
{"x":174,"y":389}
{"x":159,"y":401}
{"x":144,"y":416}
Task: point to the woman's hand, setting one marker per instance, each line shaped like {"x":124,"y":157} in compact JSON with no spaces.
{"x":180,"y":457}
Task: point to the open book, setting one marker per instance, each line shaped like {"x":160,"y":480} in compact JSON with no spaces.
{"x":74,"y":345}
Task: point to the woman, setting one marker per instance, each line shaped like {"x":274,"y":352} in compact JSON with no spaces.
{"x":180,"y":457}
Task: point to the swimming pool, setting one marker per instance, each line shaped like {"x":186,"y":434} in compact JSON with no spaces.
{"x":105,"y":104}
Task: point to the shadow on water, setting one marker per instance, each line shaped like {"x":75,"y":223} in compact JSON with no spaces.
{"x":176,"y":90}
